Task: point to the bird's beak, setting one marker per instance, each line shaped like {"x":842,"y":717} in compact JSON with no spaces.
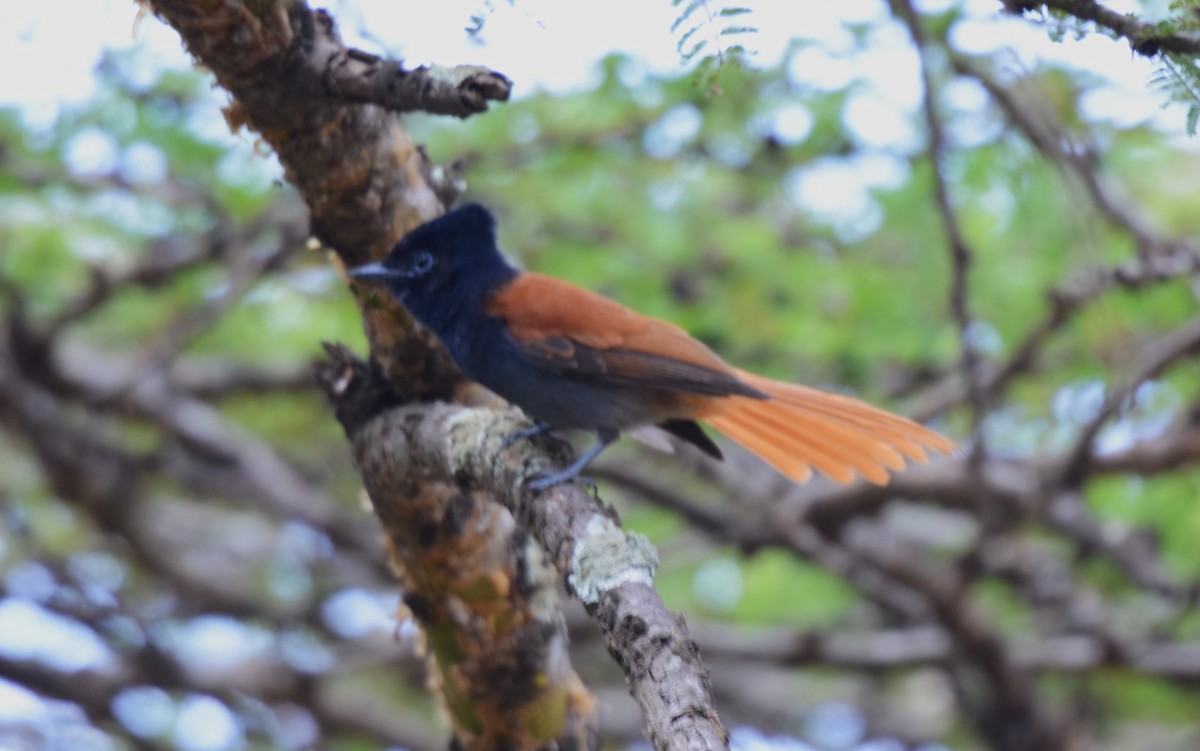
{"x":374,"y":272}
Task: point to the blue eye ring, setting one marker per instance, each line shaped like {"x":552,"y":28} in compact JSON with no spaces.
{"x":422,"y":263}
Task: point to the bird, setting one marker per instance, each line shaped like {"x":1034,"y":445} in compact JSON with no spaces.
{"x":573,"y":359}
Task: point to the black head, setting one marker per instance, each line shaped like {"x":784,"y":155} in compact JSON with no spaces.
{"x":442,"y":260}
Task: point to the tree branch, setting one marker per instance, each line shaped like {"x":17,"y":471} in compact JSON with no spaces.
{"x":1145,"y":38}
{"x":961,"y":254}
{"x":462,"y":90}
{"x":365,"y":183}
{"x":1037,"y":120}
{"x":608,"y":570}
{"x":901,"y":649}
{"x":1163,"y":353}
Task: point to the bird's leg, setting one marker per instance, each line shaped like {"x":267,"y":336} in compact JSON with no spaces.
{"x":550,"y":479}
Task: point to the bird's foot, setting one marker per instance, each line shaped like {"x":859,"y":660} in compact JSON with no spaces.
{"x":533,"y":431}
{"x":550,"y":479}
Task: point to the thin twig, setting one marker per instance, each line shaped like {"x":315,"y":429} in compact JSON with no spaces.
{"x":961,"y":254}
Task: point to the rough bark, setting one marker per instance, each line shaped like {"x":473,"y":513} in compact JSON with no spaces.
{"x":471,"y":575}
{"x":400,"y":451}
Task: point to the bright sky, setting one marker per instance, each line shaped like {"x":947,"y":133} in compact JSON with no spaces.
{"x":553,"y":44}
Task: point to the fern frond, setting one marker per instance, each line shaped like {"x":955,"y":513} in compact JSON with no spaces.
{"x":732,"y":30}
{"x":695,"y":50}
{"x":1179,"y":80}
{"x":683,"y":17}
{"x":705,"y":39}
{"x":687,"y":37}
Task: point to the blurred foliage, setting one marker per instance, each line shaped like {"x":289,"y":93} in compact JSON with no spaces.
{"x":683,"y":204}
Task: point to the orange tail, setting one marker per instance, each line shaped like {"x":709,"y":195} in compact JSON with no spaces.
{"x":800,"y":429}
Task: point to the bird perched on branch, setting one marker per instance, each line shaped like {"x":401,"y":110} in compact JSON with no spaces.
{"x":573,"y":359}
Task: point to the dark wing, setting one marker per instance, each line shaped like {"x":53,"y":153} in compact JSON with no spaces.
{"x":568,"y":329}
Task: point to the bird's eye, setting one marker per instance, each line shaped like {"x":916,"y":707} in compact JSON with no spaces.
{"x":422,"y":263}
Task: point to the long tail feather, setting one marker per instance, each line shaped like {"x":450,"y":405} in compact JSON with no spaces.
{"x":799,"y":429}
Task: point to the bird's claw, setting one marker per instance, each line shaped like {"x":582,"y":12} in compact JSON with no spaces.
{"x":573,"y":472}
{"x":533,"y":431}
{"x":550,"y":479}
